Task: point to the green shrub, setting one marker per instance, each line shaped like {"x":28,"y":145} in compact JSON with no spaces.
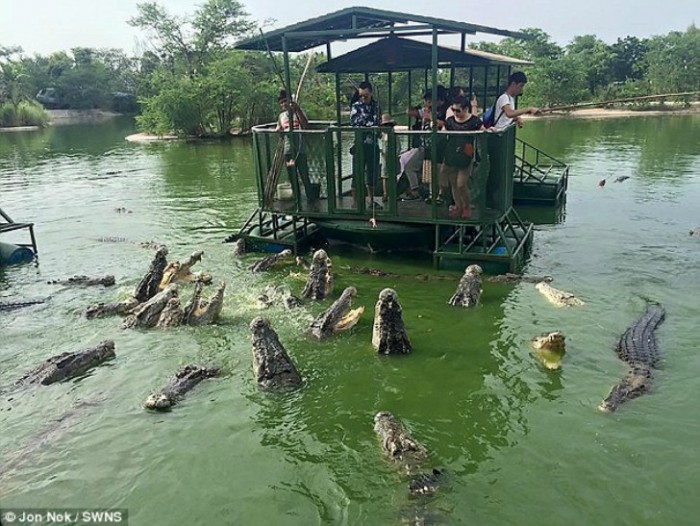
{"x":30,"y":113}
{"x":8,"y":114}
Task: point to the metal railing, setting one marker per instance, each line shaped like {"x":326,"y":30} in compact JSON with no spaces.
{"x":535,"y":166}
{"x":323,"y":171}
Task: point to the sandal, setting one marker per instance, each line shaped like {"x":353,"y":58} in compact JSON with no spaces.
{"x":466,"y":213}
{"x":454,"y":213}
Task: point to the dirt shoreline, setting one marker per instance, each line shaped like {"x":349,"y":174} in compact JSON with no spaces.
{"x":64,"y":117}
{"x":611,"y":113}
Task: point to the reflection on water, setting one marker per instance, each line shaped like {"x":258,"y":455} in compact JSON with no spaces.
{"x":502,"y":425}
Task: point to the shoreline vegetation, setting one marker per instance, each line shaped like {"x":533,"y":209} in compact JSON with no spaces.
{"x":584,"y":113}
{"x":191,"y":82}
{"x":68,"y":117}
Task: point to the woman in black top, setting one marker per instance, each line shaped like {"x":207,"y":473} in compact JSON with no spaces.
{"x":459,"y":155}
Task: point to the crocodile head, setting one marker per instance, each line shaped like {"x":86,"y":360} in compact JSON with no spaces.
{"x":147,"y":314}
{"x":239,"y":247}
{"x":150,"y":283}
{"x":469,"y":289}
{"x":158,"y":402}
{"x":338,"y":317}
{"x":389,"y":333}
{"x":199,"y":311}
{"x":319,"y":284}
{"x":272,"y":365}
{"x":550,"y":348}
{"x":171,"y":315}
{"x":195,"y":257}
{"x":426,"y":483}
{"x":268,"y":262}
{"x":634,"y":384}
{"x":396,"y":441}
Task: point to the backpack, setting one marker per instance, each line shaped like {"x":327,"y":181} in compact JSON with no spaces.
{"x":489,"y":115}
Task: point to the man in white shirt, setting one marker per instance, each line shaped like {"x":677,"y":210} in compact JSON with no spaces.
{"x":505,"y":112}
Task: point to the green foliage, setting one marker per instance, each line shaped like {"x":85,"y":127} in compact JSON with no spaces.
{"x":673,"y":61}
{"x":193,"y":41}
{"x":176,"y":108}
{"x":23,"y":114}
{"x":30,"y":113}
{"x":554,"y":82}
{"x":8,"y":114}
{"x":594,"y":58}
{"x":628,"y":59}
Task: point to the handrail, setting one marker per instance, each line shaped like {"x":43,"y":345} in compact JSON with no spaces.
{"x":539,"y":152}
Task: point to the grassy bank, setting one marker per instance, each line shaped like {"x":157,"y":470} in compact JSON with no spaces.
{"x":25,"y":113}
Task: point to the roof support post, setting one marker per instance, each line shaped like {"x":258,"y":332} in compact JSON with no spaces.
{"x":434,"y":125}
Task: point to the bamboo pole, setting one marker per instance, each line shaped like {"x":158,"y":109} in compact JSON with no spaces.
{"x":278,"y":160}
{"x":613,"y":101}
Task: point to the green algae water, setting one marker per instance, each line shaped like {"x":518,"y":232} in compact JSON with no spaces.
{"x":521,"y":444}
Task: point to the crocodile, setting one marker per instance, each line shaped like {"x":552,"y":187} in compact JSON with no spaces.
{"x":177,"y":271}
{"x":273,"y":367}
{"x":85,"y":281}
{"x":398,"y":444}
{"x":558,"y":297}
{"x":319,"y":284}
{"x":200,"y":311}
{"x":338,"y":317}
{"x":150,"y":283}
{"x":184,"y":380}
{"x":148,"y":313}
{"x":20,"y":304}
{"x":637,"y":348}
{"x":550,"y":348}
{"x":267,"y":262}
{"x":112,"y":239}
{"x":69,"y":364}
{"x":171,"y":315}
{"x":153,"y":245}
{"x":469,"y":289}
{"x":99,"y":310}
{"x":518,"y":278}
{"x":239,"y":247}
{"x":621,"y":178}
{"x":122,"y":210}
{"x":274,"y":293}
{"x":389,"y":333}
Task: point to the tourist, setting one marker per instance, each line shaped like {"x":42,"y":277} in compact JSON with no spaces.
{"x":364,"y":113}
{"x":460,"y":153}
{"x":504,"y":111}
{"x":294,"y":155}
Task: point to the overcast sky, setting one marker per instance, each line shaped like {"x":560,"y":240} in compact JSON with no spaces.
{"x":44,"y":26}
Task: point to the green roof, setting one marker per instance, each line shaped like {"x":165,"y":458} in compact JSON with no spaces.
{"x":401,"y":54}
{"x":361,"y":22}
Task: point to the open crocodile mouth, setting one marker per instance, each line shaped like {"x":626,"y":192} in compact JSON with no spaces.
{"x":349,"y":320}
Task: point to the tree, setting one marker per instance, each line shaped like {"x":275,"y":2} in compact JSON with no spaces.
{"x":193,"y":40}
{"x":12,"y":77}
{"x":628,"y":59}
{"x":673,"y":61}
{"x":594,"y":58}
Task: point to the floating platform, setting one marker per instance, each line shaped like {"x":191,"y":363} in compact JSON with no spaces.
{"x":547,"y":191}
{"x":539,"y":178}
{"x":10,"y":253}
{"x":270,"y":232}
{"x":499,"y":246}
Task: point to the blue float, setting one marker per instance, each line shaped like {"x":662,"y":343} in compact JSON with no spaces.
{"x":14,"y":254}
